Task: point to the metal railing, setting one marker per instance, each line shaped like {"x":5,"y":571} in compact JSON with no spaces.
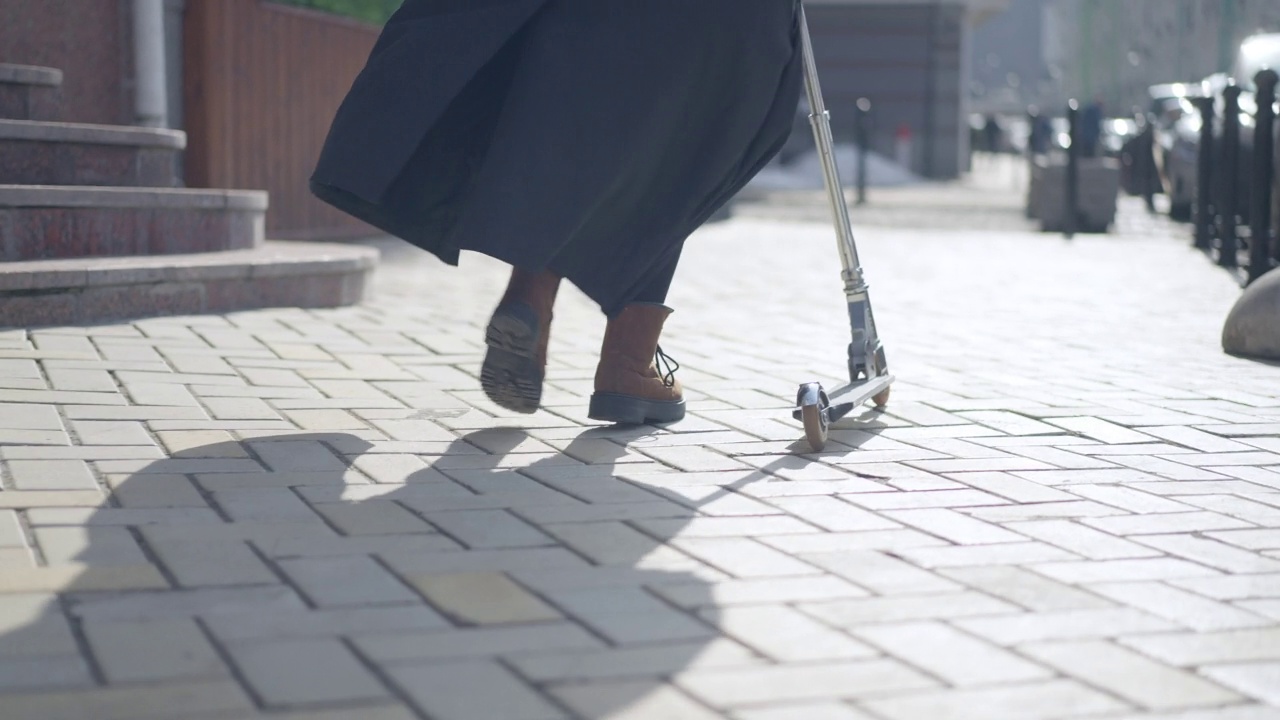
{"x":1234,"y":219}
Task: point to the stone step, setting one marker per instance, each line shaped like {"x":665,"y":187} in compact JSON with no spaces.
{"x":94,"y":290}
{"x":28,"y":92}
{"x":41,"y":222}
{"x":33,"y":152}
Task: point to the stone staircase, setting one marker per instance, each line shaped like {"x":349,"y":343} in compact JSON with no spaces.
{"x":95,"y":227}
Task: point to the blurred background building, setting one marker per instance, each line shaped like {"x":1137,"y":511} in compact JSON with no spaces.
{"x":1042,"y":52}
{"x":911,"y":59}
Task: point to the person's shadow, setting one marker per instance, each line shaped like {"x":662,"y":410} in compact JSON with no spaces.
{"x":314,"y":570}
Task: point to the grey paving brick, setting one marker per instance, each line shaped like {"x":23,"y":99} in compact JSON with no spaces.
{"x":1130,"y":675}
{"x":834,"y":514}
{"x":1044,"y":511}
{"x":268,"y":504}
{"x":284,"y":672}
{"x":97,"y":546}
{"x":1242,"y":587}
{"x":1032,"y":591}
{"x":786,"y":635}
{"x":1011,"y":487}
{"x":33,"y":625}
{"x":756,"y":592}
{"x":1125,"y":498}
{"x":1227,"y":646}
{"x":204,"y":563}
{"x":815,"y":488}
{"x":1255,"y":680}
{"x":647,"y":661}
{"x":811,"y":711}
{"x":584,"y":513}
{"x":155,"y":491}
{"x":488,"y":529}
{"x":1216,"y":460}
{"x":80,"y":379}
{"x":44,"y":673}
{"x":851,"y":680}
{"x":1183,"y":522}
{"x":201,"y":444}
{"x":631,"y":700}
{"x":1212,"y":553}
{"x":1064,"y":625}
{"x":25,"y":416}
{"x":372,"y":517}
{"x":1081,"y":540}
{"x":954,"y":526}
{"x":925,"y":499}
{"x":51,"y":475}
{"x":11,"y":535}
{"x":723,"y":527}
{"x":1195,"y":439}
{"x":346,"y":582}
{"x":955,"y":657}
{"x":483,"y":598}
{"x":743,"y":557}
{"x":160,"y":393}
{"x":1157,"y":568}
{"x":153,"y":650}
{"x":34,"y":437}
{"x":1180,"y":606}
{"x":850,"y":613}
{"x":1030,"y":701}
{"x":1264,"y":539}
{"x":1100,"y":430}
{"x":881,"y":573}
{"x":480,"y":642}
{"x":305,"y":623}
{"x":133,"y":702}
{"x":473,"y":690}
{"x":1003,"y":554}
{"x":188,"y":603}
{"x":1259,"y":513}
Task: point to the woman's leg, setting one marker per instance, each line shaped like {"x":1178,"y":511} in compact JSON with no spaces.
{"x":630,"y":387}
{"x":516,"y":361}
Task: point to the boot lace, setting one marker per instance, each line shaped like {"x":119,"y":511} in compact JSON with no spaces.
{"x":667,"y":367}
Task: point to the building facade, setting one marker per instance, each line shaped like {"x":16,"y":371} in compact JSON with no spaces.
{"x":910,"y":58}
{"x":1114,"y":50}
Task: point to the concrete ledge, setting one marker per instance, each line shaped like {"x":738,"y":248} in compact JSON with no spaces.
{"x":86,"y":133}
{"x":30,"y":75}
{"x":57,"y":196}
{"x":1253,"y":325}
{"x":278,"y":274}
{"x":194,"y":222}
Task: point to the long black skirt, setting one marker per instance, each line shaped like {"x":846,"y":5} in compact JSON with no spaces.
{"x":583,"y":136}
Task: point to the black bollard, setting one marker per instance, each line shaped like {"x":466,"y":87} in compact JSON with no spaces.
{"x":1260,"y":240}
{"x":1229,"y":187}
{"x":862,"y":128}
{"x":1204,"y":176}
{"x":1147,"y":160}
{"x":1072,"y":211}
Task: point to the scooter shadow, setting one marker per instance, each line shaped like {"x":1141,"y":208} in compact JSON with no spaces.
{"x":465,"y":578}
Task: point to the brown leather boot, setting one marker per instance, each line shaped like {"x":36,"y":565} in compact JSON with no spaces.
{"x":517,"y":336}
{"x":629,"y":388}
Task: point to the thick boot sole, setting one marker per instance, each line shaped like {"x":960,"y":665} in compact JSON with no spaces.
{"x":511,"y":375}
{"x":629,"y":410}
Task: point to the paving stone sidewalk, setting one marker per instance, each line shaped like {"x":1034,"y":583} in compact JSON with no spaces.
{"x":1070,"y":510}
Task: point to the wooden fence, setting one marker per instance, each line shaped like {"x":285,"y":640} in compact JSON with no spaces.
{"x":261,"y":84}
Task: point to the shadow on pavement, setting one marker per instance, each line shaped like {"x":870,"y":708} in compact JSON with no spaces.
{"x":275,"y":566}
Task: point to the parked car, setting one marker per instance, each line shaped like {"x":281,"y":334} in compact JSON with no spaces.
{"x":1181,"y":146}
{"x":1175,"y":124}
